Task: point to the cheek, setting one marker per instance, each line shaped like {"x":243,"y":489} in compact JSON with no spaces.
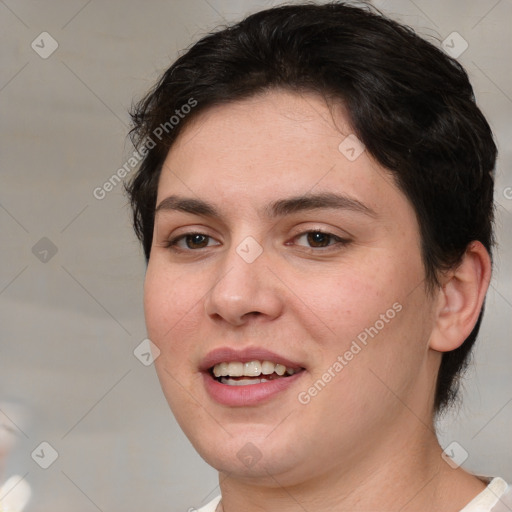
{"x":383,"y":344}
{"x":353,"y":298}
{"x":371,"y":311}
{"x":170,"y":304}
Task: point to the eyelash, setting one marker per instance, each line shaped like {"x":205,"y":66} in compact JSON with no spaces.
{"x":338,"y":241}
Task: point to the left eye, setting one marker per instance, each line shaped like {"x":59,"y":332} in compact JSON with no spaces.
{"x":319,"y":239}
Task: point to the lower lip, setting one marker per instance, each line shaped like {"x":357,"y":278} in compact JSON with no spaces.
{"x":251,"y":394}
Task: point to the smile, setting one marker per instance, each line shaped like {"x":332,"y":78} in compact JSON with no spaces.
{"x":242,"y":377}
{"x":237,"y":373}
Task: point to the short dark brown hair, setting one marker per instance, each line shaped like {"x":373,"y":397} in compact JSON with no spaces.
{"x":410,"y":104}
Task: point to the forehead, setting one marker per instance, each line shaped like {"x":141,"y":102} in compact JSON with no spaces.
{"x":275,"y":145}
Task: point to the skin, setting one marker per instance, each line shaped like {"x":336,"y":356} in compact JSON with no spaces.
{"x":366,"y":441}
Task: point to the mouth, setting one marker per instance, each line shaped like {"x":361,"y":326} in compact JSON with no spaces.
{"x":239,"y":373}
{"x":248,"y":377}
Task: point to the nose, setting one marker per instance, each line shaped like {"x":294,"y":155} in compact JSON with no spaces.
{"x":243,"y":290}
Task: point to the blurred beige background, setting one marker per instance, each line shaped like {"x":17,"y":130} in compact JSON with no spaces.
{"x":72,"y":272}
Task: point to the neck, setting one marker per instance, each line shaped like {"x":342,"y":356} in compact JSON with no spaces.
{"x":407,"y":473}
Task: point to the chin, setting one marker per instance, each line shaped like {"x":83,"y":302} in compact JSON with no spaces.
{"x":253,"y":456}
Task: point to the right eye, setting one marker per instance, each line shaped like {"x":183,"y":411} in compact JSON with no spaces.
{"x":190,"y":241}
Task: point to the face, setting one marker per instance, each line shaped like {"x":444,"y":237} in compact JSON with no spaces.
{"x":276,"y":245}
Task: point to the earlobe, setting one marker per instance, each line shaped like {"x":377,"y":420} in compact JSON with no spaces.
{"x":460,"y":299}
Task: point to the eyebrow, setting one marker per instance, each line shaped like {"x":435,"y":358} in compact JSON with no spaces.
{"x":279,"y":208}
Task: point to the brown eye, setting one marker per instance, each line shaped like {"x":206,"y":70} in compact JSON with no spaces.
{"x":318,"y":239}
{"x":191,"y":241}
{"x":196,"y":241}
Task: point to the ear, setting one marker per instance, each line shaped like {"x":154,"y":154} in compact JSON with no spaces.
{"x":460,"y":299}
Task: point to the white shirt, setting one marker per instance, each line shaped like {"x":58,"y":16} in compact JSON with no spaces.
{"x":496,"y":497}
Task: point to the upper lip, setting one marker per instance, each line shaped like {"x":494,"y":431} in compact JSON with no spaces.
{"x":228,"y":354}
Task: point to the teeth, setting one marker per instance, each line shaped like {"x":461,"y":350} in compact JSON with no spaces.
{"x":280,"y":369}
{"x":267,"y":367}
{"x":221,"y":370}
{"x":250,"y":369}
{"x":225,"y":369}
{"x":244,"y":382}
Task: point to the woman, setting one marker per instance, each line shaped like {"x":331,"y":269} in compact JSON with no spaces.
{"x":315,"y":206}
